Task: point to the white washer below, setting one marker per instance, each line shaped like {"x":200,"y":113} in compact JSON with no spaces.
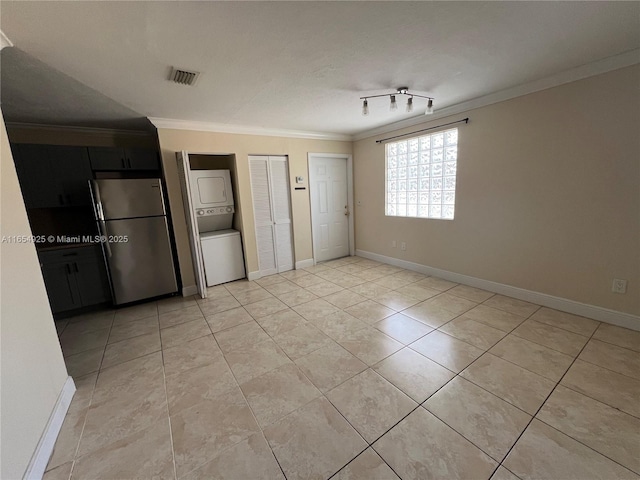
{"x":222,"y":255}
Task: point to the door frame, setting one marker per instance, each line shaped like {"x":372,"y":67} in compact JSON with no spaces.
{"x":349,"y":159}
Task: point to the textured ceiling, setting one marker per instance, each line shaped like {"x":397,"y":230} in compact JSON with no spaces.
{"x":34,"y":92}
{"x":293,"y":65}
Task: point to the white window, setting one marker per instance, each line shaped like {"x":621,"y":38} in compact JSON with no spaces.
{"x":421,"y":176}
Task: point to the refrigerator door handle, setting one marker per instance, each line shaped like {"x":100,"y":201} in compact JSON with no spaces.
{"x":97,"y":201}
{"x":105,"y":237}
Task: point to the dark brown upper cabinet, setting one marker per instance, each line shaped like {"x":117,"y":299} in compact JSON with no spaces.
{"x":117,"y":159}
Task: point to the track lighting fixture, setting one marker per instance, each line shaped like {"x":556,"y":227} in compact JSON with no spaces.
{"x":393,"y":103}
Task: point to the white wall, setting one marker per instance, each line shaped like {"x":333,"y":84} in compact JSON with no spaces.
{"x":548,"y":194}
{"x":31,"y":363}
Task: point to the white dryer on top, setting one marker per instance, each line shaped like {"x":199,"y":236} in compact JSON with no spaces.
{"x":212,"y":198}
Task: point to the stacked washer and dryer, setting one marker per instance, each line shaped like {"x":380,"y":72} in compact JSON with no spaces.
{"x":212,"y":201}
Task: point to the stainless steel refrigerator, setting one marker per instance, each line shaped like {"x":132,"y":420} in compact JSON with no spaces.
{"x":131,"y":215}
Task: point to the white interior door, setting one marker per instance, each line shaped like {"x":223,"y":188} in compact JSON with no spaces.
{"x":272,"y":213}
{"x":192,"y":225}
{"x":329,"y":207}
{"x":281,"y":204}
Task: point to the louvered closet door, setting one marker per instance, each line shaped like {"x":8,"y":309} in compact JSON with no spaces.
{"x":261,"y":191}
{"x":281,"y":205}
{"x":272,"y":212}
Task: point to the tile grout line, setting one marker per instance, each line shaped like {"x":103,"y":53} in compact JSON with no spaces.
{"x":251,"y":409}
{"x":475,"y":346}
{"x":166,"y":398}
{"x":545,"y":346}
{"x":458,"y":374}
{"x":86,"y":416}
{"x":417,"y":406}
{"x":533,"y":417}
{"x":169,"y":414}
{"x":614,"y":344}
{"x":585,"y":445}
{"x":608,"y":369}
{"x":248,"y":406}
{"x":599,"y":401}
{"x":322,"y":394}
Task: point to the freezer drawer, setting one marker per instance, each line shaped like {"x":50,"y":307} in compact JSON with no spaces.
{"x":142,"y":266}
{"x":222,"y":255}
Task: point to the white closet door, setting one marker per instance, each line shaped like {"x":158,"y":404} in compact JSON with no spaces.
{"x":262,"y":211}
{"x":279,"y":176}
{"x":192,"y":225}
{"x":272,"y":213}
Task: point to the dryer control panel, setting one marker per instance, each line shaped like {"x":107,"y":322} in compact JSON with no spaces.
{"x":201,"y":212}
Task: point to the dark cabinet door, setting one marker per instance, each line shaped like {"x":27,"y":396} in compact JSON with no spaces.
{"x":37,"y":180}
{"x":115,"y":159}
{"x":62,"y":288}
{"x":93,"y":284}
{"x":29,"y":192}
{"x":72,"y":171}
{"x":107,"y":158}
{"x":142,"y":159}
{"x":75,"y":277}
{"x":53,"y":176}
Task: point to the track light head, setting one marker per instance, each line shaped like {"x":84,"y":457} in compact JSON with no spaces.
{"x":393,"y":105}
{"x":409,"y":104}
{"x":429,"y":109}
{"x":365,"y":107}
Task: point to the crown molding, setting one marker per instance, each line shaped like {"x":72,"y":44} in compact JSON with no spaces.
{"x":605,"y":65}
{"x":4,"y":41}
{"x":87,"y":130}
{"x":175,"y":124}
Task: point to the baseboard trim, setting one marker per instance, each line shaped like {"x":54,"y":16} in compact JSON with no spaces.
{"x":305,"y":263}
{"x":190,"y":290}
{"x":613,"y":317}
{"x":254,"y":276}
{"x":43,"y":451}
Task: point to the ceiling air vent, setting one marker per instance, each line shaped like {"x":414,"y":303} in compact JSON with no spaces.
{"x":183,"y":77}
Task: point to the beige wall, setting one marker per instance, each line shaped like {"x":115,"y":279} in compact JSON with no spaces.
{"x":172,"y":141}
{"x":33,"y":370}
{"x":548,"y":194}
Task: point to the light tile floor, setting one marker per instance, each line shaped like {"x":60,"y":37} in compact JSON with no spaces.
{"x":351,"y":369}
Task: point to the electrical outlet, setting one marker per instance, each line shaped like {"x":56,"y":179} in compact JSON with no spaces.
{"x":403,"y":246}
{"x":393,"y":244}
{"x":619,"y":286}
